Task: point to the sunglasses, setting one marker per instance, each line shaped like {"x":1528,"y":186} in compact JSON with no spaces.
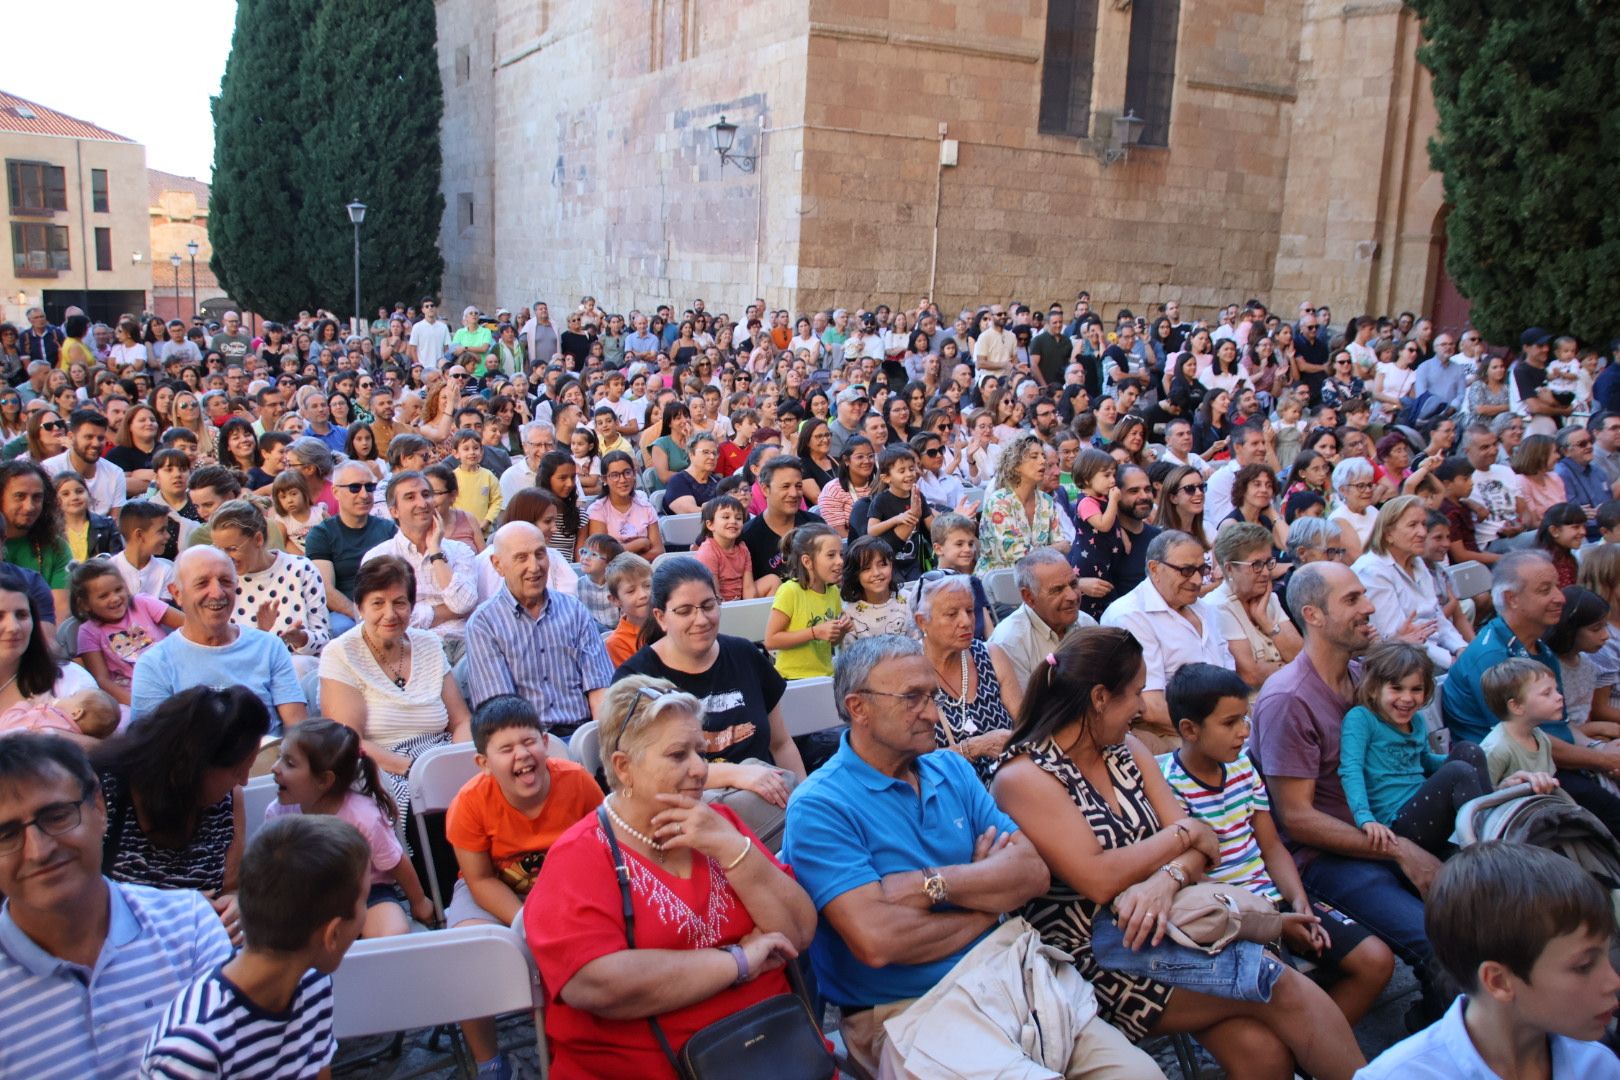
{"x":1187,"y":572}
{"x":52,"y":425}
{"x":1192,"y":489}
{"x":367,"y":385}
{"x":355,"y":489}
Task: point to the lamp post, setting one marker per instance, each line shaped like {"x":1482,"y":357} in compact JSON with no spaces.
{"x":174,"y":261}
{"x":725,"y":136}
{"x":193,"y":247}
{"x":357,"y":214}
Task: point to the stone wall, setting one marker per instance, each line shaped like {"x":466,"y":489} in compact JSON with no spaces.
{"x":1295,"y":164}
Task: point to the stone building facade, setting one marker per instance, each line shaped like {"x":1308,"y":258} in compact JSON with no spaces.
{"x":179,"y":217}
{"x":1283,"y":154}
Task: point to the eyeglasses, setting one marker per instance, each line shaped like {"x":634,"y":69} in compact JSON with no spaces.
{"x":620,"y":474}
{"x":686,"y":611}
{"x":355,"y":489}
{"x":914,"y":700}
{"x":1188,"y":571}
{"x":1335,"y":552}
{"x":1265,"y":565}
{"x":56,"y":819}
{"x":1360,"y":485}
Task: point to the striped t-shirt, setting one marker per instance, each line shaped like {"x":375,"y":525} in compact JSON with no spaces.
{"x":62,"y":1021}
{"x":1229,"y":810}
{"x":214,"y":1030}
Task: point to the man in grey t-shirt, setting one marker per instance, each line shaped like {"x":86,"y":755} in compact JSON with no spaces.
{"x":230,"y":342}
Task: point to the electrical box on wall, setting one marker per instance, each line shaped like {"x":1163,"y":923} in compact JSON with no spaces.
{"x":947,"y":151}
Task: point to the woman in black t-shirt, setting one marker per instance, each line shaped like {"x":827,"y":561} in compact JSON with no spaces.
{"x":737,"y":684}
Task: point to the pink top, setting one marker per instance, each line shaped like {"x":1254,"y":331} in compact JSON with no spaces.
{"x":1542,"y":492}
{"x":727,"y":567}
{"x":627,"y":524}
{"x":364,"y":814}
{"x":122,"y":643}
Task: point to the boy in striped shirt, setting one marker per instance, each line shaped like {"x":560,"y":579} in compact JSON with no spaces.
{"x":267,"y":1012}
{"x":1213,"y":777}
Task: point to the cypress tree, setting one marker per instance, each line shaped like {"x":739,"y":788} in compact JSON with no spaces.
{"x":1528,"y":141}
{"x":370,"y":88}
{"x":256,"y":193}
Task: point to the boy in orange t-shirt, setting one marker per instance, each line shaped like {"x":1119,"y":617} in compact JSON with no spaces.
{"x":629,"y":582}
{"x":502,"y":822}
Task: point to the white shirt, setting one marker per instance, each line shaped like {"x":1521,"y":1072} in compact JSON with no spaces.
{"x":432,"y":341}
{"x":1361,"y":524}
{"x":1169,"y":639}
{"x":1194,"y":461}
{"x":1218,"y":493}
{"x":624,"y":410}
{"x":515,"y":479}
{"x":560,"y":577}
{"x":107,"y":488}
{"x":460,"y":597}
{"x":1025,"y":640}
{"x":943,"y":490}
{"x":153,"y":579}
{"x":1445,"y":1051}
{"x":1397,"y":596}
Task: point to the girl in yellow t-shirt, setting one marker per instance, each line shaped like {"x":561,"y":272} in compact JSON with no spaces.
{"x":807,"y":616}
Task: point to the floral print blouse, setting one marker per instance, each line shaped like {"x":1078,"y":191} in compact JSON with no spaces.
{"x":1006,"y":535}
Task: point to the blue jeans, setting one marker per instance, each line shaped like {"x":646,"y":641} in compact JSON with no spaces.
{"x":1377,"y":895}
{"x":1243,"y":971}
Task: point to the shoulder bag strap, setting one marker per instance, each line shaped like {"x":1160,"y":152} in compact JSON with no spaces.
{"x":622,"y":872}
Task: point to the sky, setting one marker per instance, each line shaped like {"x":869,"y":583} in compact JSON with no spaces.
{"x":141,"y":68}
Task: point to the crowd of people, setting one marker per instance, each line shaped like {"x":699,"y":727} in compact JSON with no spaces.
{"x":1239,"y":656}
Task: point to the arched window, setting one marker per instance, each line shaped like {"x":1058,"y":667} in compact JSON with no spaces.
{"x":1066,"y":69}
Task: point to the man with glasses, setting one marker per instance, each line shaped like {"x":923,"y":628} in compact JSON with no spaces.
{"x":1046,"y":420}
{"x":336,"y":544}
{"x":1311,"y":355}
{"x":539,"y":439}
{"x":1439,"y":377}
{"x":231,"y":342}
{"x":87,"y":965}
{"x":41,"y":340}
{"x":1175,"y":625}
{"x":1584,"y":483}
{"x":177,"y":345}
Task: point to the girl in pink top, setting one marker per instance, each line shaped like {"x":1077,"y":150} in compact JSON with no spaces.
{"x":722,"y":550}
{"x":115,"y":628}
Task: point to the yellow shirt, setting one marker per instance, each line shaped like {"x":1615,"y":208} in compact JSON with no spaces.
{"x":805,"y":609}
{"x":74,"y":349}
{"x":479,"y":493}
{"x":79,"y":541}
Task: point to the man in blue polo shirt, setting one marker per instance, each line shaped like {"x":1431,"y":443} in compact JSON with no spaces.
{"x":1524,"y":589}
{"x":87,"y":965}
{"x":900,"y":847}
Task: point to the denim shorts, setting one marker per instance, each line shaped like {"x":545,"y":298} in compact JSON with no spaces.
{"x":1242,"y":971}
{"x":387,"y":892}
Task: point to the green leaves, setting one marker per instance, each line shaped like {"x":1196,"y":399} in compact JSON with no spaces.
{"x":325,"y":101}
{"x":1527,"y":96}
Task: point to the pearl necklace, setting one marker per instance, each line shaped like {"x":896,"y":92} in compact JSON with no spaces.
{"x":658,"y":849}
{"x":962,"y":700}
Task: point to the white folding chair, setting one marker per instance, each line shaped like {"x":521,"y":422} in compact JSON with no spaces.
{"x":435,"y":778}
{"x":412,"y":981}
{"x":1469,"y":579}
{"x":746,"y":618}
{"x":681,"y":530}
{"x":257,"y":795}
{"x":1002,"y":588}
{"x":586,"y":747}
{"x":808,"y":706}
{"x":664,"y":556}
{"x":974,"y":494}
{"x":657,"y":498}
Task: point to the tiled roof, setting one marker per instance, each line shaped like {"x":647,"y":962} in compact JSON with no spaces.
{"x":158,"y":182}
{"x":25,"y":117}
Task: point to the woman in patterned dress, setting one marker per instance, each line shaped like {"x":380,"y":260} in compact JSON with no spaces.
{"x":1092,"y":800}
{"x":1018,"y":517}
{"x":978,"y":690}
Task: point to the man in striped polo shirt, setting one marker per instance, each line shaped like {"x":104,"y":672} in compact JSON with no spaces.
{"x":87,"y":965}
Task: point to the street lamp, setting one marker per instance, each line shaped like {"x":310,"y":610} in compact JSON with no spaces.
{"x":357,"y":214}
{"x":174,"y":261}
{"x":1126,"y":132}
{"x":725,"y":135}
{"x":193,"y":247}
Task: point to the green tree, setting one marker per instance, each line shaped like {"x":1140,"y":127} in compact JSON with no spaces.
{"x":371,"y":91}
{"x":257,"y":194}
{"x":1528,"y":141}
{"x":323,"y":102}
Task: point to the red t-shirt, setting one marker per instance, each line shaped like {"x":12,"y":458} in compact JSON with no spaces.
{"x":732,"y":458}
{"x":573,"y":916}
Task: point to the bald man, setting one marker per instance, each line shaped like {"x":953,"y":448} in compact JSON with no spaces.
{"x":210,"y":650}
{"x":529,"y":641}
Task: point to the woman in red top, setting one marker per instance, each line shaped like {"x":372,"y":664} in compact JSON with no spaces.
{"x":716,"y":916}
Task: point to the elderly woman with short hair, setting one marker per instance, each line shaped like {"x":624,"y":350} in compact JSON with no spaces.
{"x":1405,"y":604}
{"x":1313,"y":539}
{"x":714,"y":915}
{"x":314,"y":461}
{"x":1354,"y":512}
{"x":1252,"y":620}
{"x":978,"y":693}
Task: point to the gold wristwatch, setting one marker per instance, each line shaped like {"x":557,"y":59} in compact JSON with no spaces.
{"x":934,"y":885}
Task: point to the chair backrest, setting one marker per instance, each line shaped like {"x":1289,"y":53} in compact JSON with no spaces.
{"x":974,"y":494}
{"x":586,"y":747}
{"x":1002,"y":587}
{"x":414,"y":981}
{"x":746,"y":618}
{"x":438,"y":774}
{"x":657,"y":499}
{"x":808,"y":706}
{"x":681,"y":530}
{"x":1469,"y":579}
{"x":257,"y":796}
{"x":663,"y":556}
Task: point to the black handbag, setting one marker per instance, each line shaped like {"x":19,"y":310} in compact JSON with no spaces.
{"x":777,"y":1037}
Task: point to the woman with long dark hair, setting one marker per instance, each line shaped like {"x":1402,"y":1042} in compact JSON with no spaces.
{"x":1092,"y":800}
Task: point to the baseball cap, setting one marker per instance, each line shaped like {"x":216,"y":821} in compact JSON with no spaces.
{"x":852,"y":394}
{"x":1535,"y":336}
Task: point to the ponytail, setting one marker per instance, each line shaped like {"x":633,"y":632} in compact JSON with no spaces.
{"x":335,"y":748}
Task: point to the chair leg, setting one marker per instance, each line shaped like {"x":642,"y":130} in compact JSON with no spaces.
{"x":1186,"y":1057}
